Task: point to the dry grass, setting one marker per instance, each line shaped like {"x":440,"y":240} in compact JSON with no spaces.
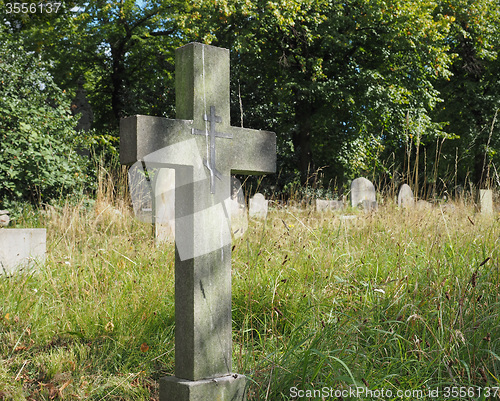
{"x":396,"y":299}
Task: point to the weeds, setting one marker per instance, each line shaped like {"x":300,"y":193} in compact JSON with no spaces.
{"x":398,"y":299}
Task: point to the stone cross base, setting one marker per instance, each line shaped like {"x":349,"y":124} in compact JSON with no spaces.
{"x":226,"y":388}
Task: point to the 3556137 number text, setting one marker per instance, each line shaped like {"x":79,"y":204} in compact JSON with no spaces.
{"x":32,"y":8}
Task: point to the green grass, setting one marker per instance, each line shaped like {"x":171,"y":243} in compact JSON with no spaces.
{"x":393,"y":300}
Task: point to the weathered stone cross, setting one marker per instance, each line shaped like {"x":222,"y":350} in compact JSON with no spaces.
{"x":204,"y":159}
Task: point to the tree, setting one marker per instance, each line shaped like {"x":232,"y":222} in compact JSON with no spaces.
{"x":341,"y":82}
{"x":346,"y":85}
{"x":124,"y":50}
{"x":37,"y":131}
{"x":472,"y":94}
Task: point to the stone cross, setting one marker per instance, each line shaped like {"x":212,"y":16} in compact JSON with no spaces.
{"x":204,"y":149}
{"x":210,"y":164}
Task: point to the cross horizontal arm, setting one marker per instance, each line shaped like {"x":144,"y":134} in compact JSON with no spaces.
{"x":251,"y":151}
{"x":142,"y":135}
{"x":207,"y":133}
{"x":248,"y":152}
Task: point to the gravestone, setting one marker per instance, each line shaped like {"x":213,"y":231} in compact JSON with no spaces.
{"x":140,"y":189}
{"x":164,"y":207}
{"x":369,"y":205}
{"x":423,"y":205}
{"x":323,"y":204}
{"x":363,"y":193}
{"x":21,"y":249}
{"x":204,"y":150}
{"x":486,"y":201}
{"x":4,"y":218}
{"x":405,"y":197}
{"x":239,"y":215}
{"x":258,"y":206}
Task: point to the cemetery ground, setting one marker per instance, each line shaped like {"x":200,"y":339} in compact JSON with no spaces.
{"x":395,"y":300}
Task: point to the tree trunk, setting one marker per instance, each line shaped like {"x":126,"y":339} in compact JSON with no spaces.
{"x":117,"y":80}
{"x":302,"y":139}
{"x":479,"y":167}
{"x":479,"y":148}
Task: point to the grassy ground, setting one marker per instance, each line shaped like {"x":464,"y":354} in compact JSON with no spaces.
{"x":395,"y":300}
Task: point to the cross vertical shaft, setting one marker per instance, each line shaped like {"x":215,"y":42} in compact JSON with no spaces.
{"x":203,"y":283}
{"x":212,"y":134}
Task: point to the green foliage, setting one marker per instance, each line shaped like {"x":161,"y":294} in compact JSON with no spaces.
{"x":343,"y":83}
{"x":346,"y":85}
{"x":38,"y":160}
{"x":472,"y":94}
{"x":124,"y":51}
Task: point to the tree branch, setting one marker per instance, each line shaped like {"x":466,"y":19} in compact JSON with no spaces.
{"x":162,"y":33}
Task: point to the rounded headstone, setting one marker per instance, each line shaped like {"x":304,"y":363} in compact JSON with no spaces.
{"x":258,"y":206}
{"x":239,"y":218}
{"x":405,"y":197}
{"x":4,"y":218}
{"x":362,"y":190}
{"x":140,"y":193}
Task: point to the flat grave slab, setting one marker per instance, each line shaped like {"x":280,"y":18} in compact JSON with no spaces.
{"x":22,"y":249}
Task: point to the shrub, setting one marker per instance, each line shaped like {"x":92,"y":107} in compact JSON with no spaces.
{"x":38,"y":160}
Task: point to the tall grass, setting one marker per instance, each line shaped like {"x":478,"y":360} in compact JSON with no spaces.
{"x":399,"y":300}
{"x":394,"y":300}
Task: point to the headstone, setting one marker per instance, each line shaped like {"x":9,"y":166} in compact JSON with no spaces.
{"x":21,"y":249}
{"x":486,"y":201}
{"x":323,"y":204}
{"x":239,"y":216}
{"x":258,"y":206}
{"x":140,"y":189}
{"x":164,"y":205}
{"x":369,"y":205}
{"x":4,"y":218}
{"x":423,"y":205}
{"x":363,"y":192}
{"x":204,"y":150}
{"x":405,"y":197}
